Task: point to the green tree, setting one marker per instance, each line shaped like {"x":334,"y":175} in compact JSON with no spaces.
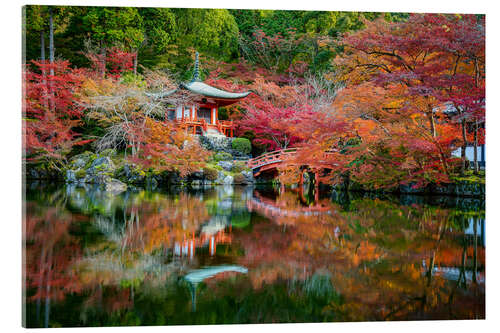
{"x":160,"y":30}
{"x":210,"y":31}
{"x":106,"y":27}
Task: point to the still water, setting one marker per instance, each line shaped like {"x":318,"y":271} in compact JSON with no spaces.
{"x":248,"y":255}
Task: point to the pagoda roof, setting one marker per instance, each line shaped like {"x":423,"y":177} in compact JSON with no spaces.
{"x":201,"y":88}
{"x":198,"y":87}
{"x":204,"y":89}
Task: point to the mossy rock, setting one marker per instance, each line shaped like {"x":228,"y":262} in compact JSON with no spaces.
{"x":238,"y":178}
{"x":86,"y":155}
{"x":101,"y":167}
{"x":108,"y":152}
{"x":132,"y":174}
{"x":83,"y":160}
{"x":80,"y":174}
{"x":239,"y":166}
{"x":223,"y":156}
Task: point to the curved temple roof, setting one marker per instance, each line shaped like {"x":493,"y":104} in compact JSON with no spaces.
{"x":204,"y":89}
{"x":200,"y":88}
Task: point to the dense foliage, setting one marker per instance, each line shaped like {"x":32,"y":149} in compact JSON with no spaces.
{"x":389,"y":96}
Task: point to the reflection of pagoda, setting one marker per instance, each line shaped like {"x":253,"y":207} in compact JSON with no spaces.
{"x":188,"y":246}
{"x":198,"y":275}
{"x":225,"y":215}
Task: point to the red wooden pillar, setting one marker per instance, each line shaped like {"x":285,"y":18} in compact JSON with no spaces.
{"x":231,"y":131}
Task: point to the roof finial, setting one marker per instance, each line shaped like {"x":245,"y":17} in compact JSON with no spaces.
{"x":196,"y":72}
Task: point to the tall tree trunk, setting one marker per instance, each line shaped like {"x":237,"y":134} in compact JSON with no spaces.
{"x":51,"y":54}
{"x":42,"y":58}
{"x":103,"y":61}
{"x":42,"y":45}
{"x":476,"y":164}
{"x":464,"y":147}
{"x":135,"y":62}
{"x":51,"y":40}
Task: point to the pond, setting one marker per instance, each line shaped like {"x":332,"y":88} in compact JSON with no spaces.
{"x":248,"y":255}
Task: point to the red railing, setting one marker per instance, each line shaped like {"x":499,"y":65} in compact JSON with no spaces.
{"x":226,"y":123}
{"x":277,"y":156}
{"x":187,"y":122}
{"x":225,"y":127}
{"x":271,"y":157}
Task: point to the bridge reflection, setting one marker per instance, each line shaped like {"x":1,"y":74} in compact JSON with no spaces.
{"x":272,"y":208}
{"x":291,"y":203}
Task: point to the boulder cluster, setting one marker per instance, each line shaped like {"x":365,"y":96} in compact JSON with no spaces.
{"x":222,"y":144}
{"x":114,"y":175}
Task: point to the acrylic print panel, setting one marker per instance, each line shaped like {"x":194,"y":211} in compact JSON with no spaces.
{"x":227,"y":166}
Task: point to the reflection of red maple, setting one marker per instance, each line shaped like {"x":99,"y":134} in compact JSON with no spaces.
{"x":372,"y":255}
{"x":50,"y":255}
{"x":294,"y":247}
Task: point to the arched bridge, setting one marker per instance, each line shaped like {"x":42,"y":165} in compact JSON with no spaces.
{"x":283,"y":157}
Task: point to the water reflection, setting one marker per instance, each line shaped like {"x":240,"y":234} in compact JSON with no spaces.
{"x":248,"y":255}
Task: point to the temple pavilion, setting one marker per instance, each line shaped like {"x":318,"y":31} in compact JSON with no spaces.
{"x":202,"y":116}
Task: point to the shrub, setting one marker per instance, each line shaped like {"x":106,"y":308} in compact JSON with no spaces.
{"x":242,"y":145}
{"x":239,"y":178}
{"x":223,"y":156}
{"x":210,"y":173}
{"x":239,"y":166}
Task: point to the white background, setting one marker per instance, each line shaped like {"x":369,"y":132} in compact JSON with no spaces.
{"x":10,"y":158}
